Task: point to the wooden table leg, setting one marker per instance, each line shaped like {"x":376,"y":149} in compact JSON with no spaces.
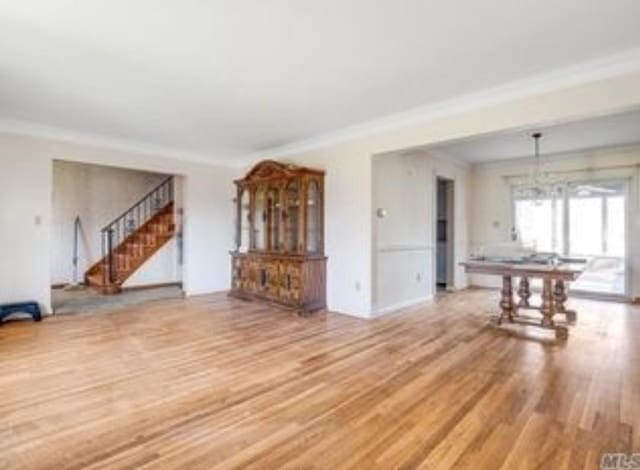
{"x":524,"y":292}
{"x":548,"y":308}
{"x":506,"y":302}
{"x":560,"y":296}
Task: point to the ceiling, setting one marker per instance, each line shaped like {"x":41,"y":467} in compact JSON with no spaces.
{"x":226,"y":78}
{"x":606,"y":131}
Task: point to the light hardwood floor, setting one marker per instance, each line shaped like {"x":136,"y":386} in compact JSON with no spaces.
{"x":212,"y":382}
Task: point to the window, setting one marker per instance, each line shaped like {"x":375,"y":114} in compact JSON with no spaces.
{"x":615,"y":236}
{"x":585,"y":226}
{"x":580,"y":219}
{"x":540,"y":221}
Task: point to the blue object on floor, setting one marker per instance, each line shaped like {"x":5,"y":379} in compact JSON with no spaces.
{"x":32,"y":308}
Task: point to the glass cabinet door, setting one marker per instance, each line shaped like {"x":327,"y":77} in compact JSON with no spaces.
{"x":273,"y":218}
{"x":314,"y":220}
{"x":259,"y":216}
{"x":243,"y":222}
{"x":292,"y":198}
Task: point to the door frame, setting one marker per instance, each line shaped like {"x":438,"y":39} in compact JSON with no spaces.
{"x":451,"y":232}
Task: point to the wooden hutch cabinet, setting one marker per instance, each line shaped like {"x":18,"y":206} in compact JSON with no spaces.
{"x":279,"y":255}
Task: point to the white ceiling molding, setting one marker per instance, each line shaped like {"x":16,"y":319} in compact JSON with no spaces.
{"x":30,"y":129}
{"x":615,"y":65}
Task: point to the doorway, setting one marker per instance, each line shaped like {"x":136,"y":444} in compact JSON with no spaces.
{"x":444,"y":224}
{"x":142,"y":214}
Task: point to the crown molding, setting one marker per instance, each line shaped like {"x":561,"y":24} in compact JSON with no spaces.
{"x":620,"y":64}
{"x":615,"y":65}
{"x":32,"y":129}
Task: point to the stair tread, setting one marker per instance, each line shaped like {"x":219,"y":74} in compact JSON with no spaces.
{"x":134,"y":251}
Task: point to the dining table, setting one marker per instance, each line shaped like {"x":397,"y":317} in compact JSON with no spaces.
{"x":555,"y":273}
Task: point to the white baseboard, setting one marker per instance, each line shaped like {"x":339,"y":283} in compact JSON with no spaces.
{"x":400,"y":305}
{"x":354,"y":314}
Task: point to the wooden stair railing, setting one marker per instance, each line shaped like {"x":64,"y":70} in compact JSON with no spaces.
{"x":134,"y":237}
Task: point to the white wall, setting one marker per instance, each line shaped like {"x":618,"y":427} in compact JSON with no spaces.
{"x":404,"y":240}
{"x":492,"y":216}
{"x":349,"y":211}
{"x":460,"y":174}
{"x":26,"y":173}
{"x":347,"y":227}
{"x":403,"y":249}
{"x":26,"y":176}
{"x":98,"y":194}
{"x":25,"y":201}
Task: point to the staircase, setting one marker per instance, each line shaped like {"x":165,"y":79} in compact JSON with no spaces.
{"x":132,"y":238}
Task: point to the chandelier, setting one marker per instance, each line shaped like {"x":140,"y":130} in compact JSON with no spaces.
{"x":539,"y":185}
